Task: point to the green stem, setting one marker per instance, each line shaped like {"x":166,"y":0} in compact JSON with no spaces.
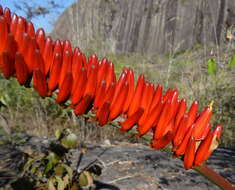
{"x":214,"y":177}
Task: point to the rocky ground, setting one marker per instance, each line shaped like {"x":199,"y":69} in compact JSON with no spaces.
{"x":137,"y":167}
{"x":127,"y":166}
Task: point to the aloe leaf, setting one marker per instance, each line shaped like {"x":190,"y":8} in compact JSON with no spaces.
{"x":52,"y":161}
{"x":231,"y":63}
{"x":211,"y":67}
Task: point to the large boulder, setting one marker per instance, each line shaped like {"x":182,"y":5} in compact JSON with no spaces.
{"x":145,"y":26}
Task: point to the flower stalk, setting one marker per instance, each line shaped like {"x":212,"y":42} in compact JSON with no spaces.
{"x":90,"y":85}
{"x":214,"y":177}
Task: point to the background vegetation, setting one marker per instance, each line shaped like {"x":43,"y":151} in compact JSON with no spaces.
{"x":200,"y":74}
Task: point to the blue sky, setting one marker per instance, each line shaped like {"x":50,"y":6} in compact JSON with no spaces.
{"x":41,"y":21}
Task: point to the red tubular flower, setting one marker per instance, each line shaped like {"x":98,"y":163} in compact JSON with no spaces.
{"x":21,"y":69}
{"x":38,"y":62}
{"x":109,"y":95}
{"x":30,"y":54}
{"x":162,"y":142}
{"x":167,"y":114}
{"x":118,"y":88}
{"x":132,"y":120}
{"x":20,"y":29}
{"x":40,"y":83}
{"x":110,"y":75}
{"x":104,"y":108}
{"x":168,"y":95}
{"x":3,"y":33}
{"x":102,"y":70}
{"x":65,"y":88}
{"x":157,"y":97}
{"x":1,"y":10}
{"x":202,"y":122}
{"x":23,"y":48}
{"x":66,"y":46}
{"x":83,"y":105}
{"x":181,"y":131}
{"x":40,"y":38}
{"x":185,"y":125}
{"x":182,"y":147}
{"x":99,"y":94}
{"x":152,"y":118}
{"x":66,"y":65}
{"x":103,"y":114}
{"x":57,"y":47}
{"x":55,"y":70}
{"x":48,"y":54}
{"x":131,"y":90}
{"x":192,"y":113}
{"x":7,"y":15}
{"x":190,"y":153}
{"x":6,"y":65}
{"x":11,"y":46}
{"x":91,"y":85}
{"x":91,"y":81}
{"x":117,"y":104}
{"x":13,"y":25}
{"x":30,"y":29}
{"x":206,"y":131}
{"x":89,"y":92}
{"x":92,"y":63}
{"x":84,"y":61}
{"x":146,"y":102}
{"x":134,"y":106}
{"x":208,"y":145}
{"x":76,"y":63}
{"x":181,"y":111}
{"x":79,"y":86}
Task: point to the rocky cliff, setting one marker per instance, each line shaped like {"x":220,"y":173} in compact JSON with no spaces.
{"x":146,"y":26}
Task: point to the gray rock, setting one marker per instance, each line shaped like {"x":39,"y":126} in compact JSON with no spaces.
{"x":125,"y":166}
{"x":145,"y":26}
{"x":135,"y":166}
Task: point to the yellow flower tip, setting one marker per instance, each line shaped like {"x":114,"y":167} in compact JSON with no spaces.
{"x":211,"y":104}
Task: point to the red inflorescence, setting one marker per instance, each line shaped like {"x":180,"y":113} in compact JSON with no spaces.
{"x":54,"y":67}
